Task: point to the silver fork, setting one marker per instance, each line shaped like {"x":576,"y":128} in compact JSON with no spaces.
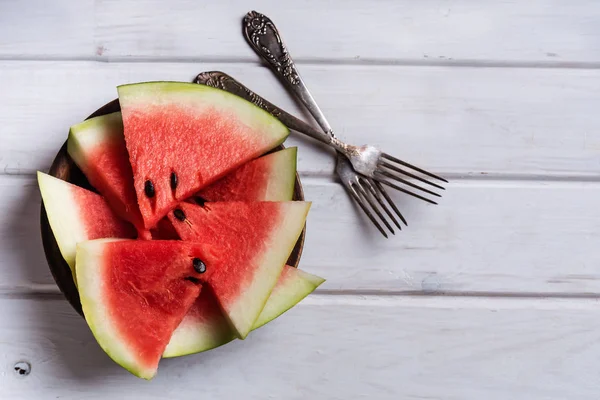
{"x":360,"y":187}
{"x":264,"y":38}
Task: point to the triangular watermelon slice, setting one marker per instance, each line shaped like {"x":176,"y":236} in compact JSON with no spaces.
{"x":98,"y":148}
{"x":269,"y":178}
{"x":183,"y":136}
{"x":76,"y":215}
{"x":134,"y":293}
{"x":266,"y":233}
{"x":204,"y":326}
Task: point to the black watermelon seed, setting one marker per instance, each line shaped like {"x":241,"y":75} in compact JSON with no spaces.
{"x":193,"y":280}
{"x":179,"y":214}
{"x":173,"y":180}
{"x":149,"y":189}
{"x":199,"y":200}
{"x":199,"y":266}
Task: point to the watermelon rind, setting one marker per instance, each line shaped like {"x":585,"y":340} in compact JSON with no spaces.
{"x":62,"y":212}
{"x":189,"y":338}
{"x":285,"y":296}
{"x":185,"y":93}
{"x":97,"y":315}
{"x":281,"y":187}
{"x":92,"y":132}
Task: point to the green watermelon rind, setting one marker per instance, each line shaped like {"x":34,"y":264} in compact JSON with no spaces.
{"x":188,"y":339}
{"x":63,"y":216}
{"x":285,"y":163}
{"x":92,"y":132}
{"x":146,"y":93}
{"x":282,"y":299}
{"x":97,"y":315}
{"x":288,"y":295}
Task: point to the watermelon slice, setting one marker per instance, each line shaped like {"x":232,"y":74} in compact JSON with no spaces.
{"x":134,"y":293}
{"x":98,"y":148}
{"x":76,"y":215}
{"x":268,"y":178}
{"x":265,"y":233}
{"x":183,"y":136}
{"x":204,"y":326}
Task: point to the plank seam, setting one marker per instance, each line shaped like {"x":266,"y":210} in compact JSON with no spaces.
{"x":375,"y":62}
{"x":51,"y":291}
{"x":453,"y":177}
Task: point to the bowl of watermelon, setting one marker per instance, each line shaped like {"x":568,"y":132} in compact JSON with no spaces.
{"x":173,"y":221}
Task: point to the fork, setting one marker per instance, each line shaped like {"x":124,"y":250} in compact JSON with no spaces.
{"x":367,"y":160}
{"x":359,"y":186}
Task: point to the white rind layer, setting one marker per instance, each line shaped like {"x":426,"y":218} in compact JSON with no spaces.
{"x":89,"y":134}
{"x":281,"y":185}
{"x":63,"y":215}
{"x":297,"y":285}
{"x":201,"y":97}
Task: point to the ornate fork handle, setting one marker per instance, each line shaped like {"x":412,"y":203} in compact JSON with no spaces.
{"x":264,"y":38}
{"x":223,"y":81}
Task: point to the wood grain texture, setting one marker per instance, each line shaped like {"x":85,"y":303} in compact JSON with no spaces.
{"x":357,"y":30}
{"x":499,"y":237}
{"x":38,"y":29}
{"x":343,"y":348}
{"x":490,"y":295}
{"x":456,"y":121}
{"x":540,"y":32}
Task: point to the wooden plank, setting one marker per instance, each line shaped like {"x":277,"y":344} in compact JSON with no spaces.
{"x":497,"y":237}
{"x":521,"y":238}
{"x":541,"y":32}
{"x":22,"y":262}
{"x":456,"y":121}
{"x":44,"y":30}
{"x":391,"y":31}
{"x":329,"y":348}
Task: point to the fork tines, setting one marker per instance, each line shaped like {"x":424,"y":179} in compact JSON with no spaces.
{"x":389,"y":173}
{"x":366,"y":192}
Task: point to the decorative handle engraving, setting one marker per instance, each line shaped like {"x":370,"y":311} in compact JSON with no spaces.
{"x":264,"y":38}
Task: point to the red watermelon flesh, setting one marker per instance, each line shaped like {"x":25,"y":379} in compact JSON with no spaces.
{"x":76,"y":215}
{"x":249,"y":266}
{"x":183,"y":136}
{"x":164,"y":231}
{"x":268,"y":178}
{"x":97,"y":146}
{"x":134,"y":293}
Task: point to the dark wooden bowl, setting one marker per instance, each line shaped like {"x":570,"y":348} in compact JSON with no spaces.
{"x":64,"y":168}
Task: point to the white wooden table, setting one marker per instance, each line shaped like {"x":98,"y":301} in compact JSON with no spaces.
{"x":493,"y":294}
